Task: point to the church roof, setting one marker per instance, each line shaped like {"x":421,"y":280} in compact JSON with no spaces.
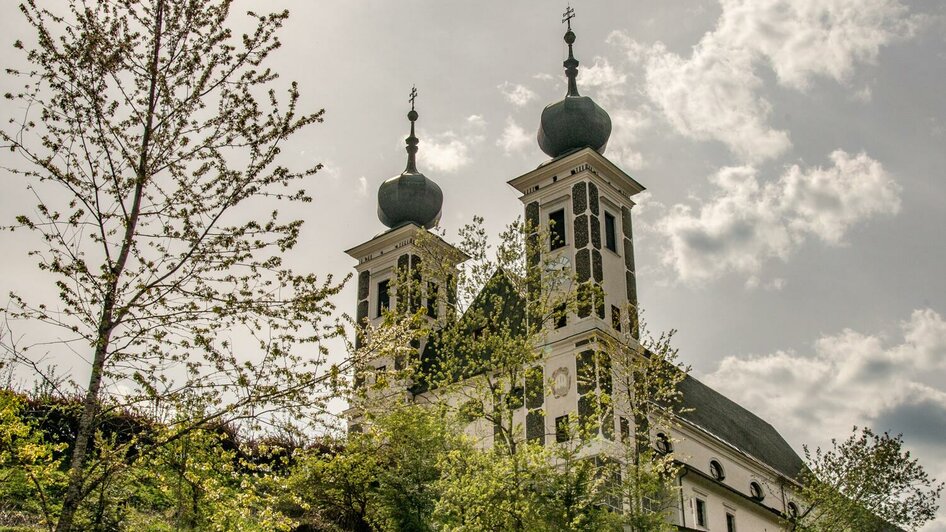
{"x":747,"y":432}
{"x":497,"y":309}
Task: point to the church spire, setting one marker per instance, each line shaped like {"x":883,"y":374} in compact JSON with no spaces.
{"x":570,"y":64}
{"x":576,"y":121}
{"x":410,"y":197}
{"x":412,"y":140}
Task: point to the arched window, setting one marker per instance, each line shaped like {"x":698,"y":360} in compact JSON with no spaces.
{"x":716,"y":470}
{"x":756,"y":491}
{"x":663,"y":443}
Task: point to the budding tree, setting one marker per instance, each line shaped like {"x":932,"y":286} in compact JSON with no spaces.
{"x":150,"y":136}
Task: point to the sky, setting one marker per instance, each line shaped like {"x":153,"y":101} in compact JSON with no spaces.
{"x":793,"y":151}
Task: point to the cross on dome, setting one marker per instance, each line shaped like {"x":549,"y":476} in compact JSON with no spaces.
{"x":567,"y":17}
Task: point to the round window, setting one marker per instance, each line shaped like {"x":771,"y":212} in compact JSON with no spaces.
{"x":756,"y":490}
{"x":792,"y":510}
{"x":663,"y":443}
{"x":716,"y":470}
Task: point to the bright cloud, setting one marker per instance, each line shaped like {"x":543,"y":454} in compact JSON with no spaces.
{"x":445,"y":152}
{"x":714,"y":93}
{"x":628,"y":125}
{"x":602,"y":80}
{"x":514,"y":138}
{"x":851,"y":378}
{"x":476,"y":121}
{"x":802,"y":39}
{"x":362,"y":189}
{"x":516,"y":94}
{"x":747,"y":222}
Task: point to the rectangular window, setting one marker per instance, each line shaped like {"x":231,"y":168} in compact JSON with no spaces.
{"x":535,"y":388}
{"x":561,"y":429}
{"x":384,"y":298}
{"x":616,"y":318}
{"x":557,"y":229}
{"x":535,"y":427}
{"x":610,"y":240}
{"x":625,"y":430}
{"x":700,"y":512}
{"x":730,"y":523}
{"x":516,"y":398}
{"x":560,"y":316}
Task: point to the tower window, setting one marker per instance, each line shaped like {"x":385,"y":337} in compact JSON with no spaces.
{"x":432,"y":290}
{"x":616,"y":318}
{"x":700,"y":512}
{"x":610,"y":240}
{"x":561,"y":429}
{"x":384,"y":297}
{"x":557,"y":229}
{"x":560,"y":316}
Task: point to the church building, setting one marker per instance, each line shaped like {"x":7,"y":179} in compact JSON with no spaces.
{"x":738,"y":473}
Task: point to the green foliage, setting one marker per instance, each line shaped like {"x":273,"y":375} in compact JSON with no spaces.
{"x":486,"y":490}
{"x":866,"y":482}
{"x":206,"y":479}
{"x":647,"y":377}
{"x":381,"y":479}
{"x":31,"y":480}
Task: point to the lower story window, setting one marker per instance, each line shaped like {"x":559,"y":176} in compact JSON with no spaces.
{"x":730,"y":523}
{"x":700,"y":512}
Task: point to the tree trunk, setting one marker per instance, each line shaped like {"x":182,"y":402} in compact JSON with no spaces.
{"x":90,"y":405}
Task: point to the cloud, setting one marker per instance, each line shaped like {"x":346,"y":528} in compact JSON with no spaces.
{"x":514,"y":138}
{"x":772,"y":285}
{"x":713,"y":96}
{"x":802,"y":39}
{"x":516,"y":94}
{"x":627,"y":128}
{"x":444,"y":152}
{"x":851,"y":378}
{"x":476,"y":121}
{"x":747,"y":223}
{"x":362,"y":189}
{"x":715,"y":92}
{"x":604,"y":80}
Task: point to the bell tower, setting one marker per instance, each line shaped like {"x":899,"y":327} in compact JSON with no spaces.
{"x":585,"y":202}
{"x":579,"y":205}
{"x":388,"y":269}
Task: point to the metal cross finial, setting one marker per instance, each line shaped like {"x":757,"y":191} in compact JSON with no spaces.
{"x":567,"y":17}
{"x":413,"y":96}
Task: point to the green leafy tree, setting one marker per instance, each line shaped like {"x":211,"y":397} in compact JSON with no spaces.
{"x":865,"y":483}
{"x":150,"y":137}
{"x":385,"y":478}
{"x":31,"y":480}
{"x":646,"y":392}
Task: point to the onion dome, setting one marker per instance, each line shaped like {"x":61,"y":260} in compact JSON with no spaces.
{"x":576,"y":121}
{"x":410,"y":197}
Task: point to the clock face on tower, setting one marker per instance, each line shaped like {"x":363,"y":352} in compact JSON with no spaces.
{"x":559,"y":264}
